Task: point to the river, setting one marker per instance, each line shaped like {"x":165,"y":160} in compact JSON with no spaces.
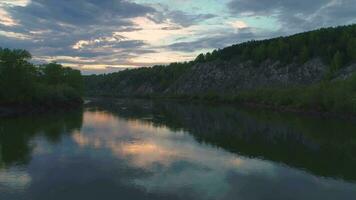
{"x":140,"y":149}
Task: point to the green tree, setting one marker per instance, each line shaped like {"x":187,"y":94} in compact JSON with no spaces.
{"x":351,"y":49}
{"x":304,"y":55}
{"x":200,"y":58}
{"x":53,"y":73}
{"x":73,"y":78}
{"x":337,"y":61}
{"x":16,"y":75}
{"x":23,"y":83}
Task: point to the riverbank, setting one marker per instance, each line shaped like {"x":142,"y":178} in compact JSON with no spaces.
{"x":16,"y":110}
{"x":220,"y":100}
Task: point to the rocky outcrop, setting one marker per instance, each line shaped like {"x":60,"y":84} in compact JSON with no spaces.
{"x":345,"y":73}
{"x":224,"y":77}
{"x":231,"y":77}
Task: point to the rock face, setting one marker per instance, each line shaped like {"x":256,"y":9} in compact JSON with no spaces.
{"x":231,"y":77}
{"x":345,"y":73}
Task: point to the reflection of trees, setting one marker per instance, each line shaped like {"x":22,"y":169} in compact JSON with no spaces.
{"x":16,"y":133}
{"x":324,"y":147}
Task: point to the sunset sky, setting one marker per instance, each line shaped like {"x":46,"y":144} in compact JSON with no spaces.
{"x":101,"y":36}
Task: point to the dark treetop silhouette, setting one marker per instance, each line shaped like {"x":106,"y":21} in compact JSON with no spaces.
{"x":23,"y":84}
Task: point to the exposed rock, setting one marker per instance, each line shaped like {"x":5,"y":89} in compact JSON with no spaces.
{"x":230,"y":77}
{"x":346,"y":72}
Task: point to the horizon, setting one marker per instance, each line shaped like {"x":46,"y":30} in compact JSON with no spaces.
{"x":108,"y":36}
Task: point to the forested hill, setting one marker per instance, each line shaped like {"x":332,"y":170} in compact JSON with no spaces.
{"x":23,"y":84}
{"x":325,"y":56}
{"x":335,"y":46}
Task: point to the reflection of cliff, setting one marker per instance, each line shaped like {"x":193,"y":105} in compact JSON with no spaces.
{"x":324,"y":147}
{"x":16,"y":134}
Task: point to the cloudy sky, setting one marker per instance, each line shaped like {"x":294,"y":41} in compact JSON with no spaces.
{"x":100,"y":36}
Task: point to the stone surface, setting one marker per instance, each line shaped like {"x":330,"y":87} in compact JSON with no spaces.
{"x":229,"y":77}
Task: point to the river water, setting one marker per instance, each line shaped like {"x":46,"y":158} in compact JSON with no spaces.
{"x":138,"y":149}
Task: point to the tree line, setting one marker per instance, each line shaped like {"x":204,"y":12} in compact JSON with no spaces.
{"x":336,"y":46}
{"x":23,"y":83}
{"x":158,"y":78}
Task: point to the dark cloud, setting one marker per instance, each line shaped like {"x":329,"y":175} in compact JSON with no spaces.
{"x":301,"y":15}
{"x":179,"y":17}
{"x":257,"y":7}
{"x":226,"y":38}
{"x":55,"y":26}
{"x":185,"y":19}
{"x":81,"y":12}
{"x":171,"y":28}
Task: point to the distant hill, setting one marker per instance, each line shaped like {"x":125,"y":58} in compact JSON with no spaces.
{"x":292,"y":64}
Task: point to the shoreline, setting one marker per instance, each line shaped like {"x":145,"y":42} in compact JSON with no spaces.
{"x":246,"y":104}
{"x":17,"y":110}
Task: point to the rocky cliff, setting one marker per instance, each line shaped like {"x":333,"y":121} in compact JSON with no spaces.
{"x":232,"y":77}
{"x":224,"y":77}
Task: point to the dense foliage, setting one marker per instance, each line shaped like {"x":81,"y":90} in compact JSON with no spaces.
{"x":22,"y":83}
{"x":159,"y":77}
{"x":336,"y":96}
{"x":336,"y":46}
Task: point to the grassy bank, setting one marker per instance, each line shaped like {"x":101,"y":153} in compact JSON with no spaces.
{"x":337,"y":97}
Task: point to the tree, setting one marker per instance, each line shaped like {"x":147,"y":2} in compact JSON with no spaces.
{"x":259,"y":53}
{"x":73,"y":78}
{"x":53,"y":73}
{"x":200,"y":58}
{"x":208,"y":57}
{"x":16,"y":75}
{"x":351,"y":49}
{"x":337,"y":61}
{"x":23,"y":83}
{"x":304,"y":55}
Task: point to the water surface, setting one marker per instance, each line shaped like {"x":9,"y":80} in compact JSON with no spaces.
{"x":130,"y":149}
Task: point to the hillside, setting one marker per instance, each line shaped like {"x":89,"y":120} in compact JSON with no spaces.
{"x":255,"y":71}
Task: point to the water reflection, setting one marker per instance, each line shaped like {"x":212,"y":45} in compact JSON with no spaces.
{"x":326,"y":147}
{"x":16,"y":134}
{"x":19,"y":142}
{"x":164,"y":150}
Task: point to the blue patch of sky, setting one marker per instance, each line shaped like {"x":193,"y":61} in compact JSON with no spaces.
{"x":218,"y":8}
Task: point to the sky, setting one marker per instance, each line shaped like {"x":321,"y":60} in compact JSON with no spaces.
{"x":103,"y":36}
